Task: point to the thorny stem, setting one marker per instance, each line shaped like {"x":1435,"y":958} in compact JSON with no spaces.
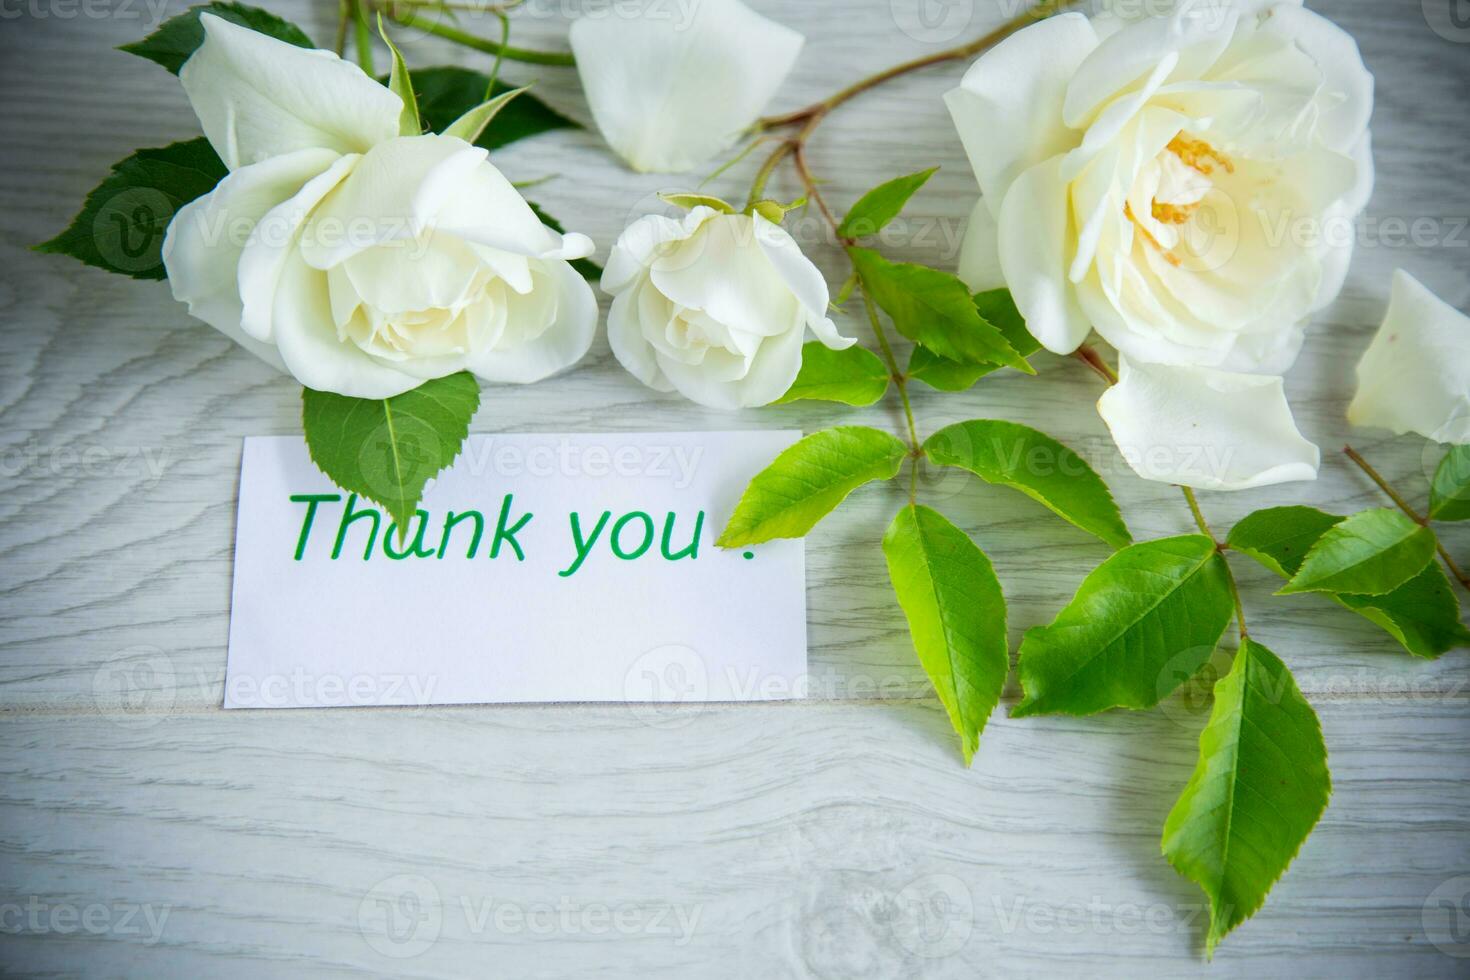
{"x":1089,"y":356}
{"x":402,"y":13}
{"x":1413,"y":515}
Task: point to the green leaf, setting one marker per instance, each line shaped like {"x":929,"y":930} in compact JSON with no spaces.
{"x":1449,"y":493}
{"x":471,"y":126}
{"x":691,"y":201}
{"x":808,"y":480}
{"x":387,"y":449}
{"x":588,"y":269}
{"x":1281,"y":537}
{"x":1369,"y":553}
{"x":934,"y":309}
{"x":853,"y":376}
{"x":875,"y":209}
{"x":445,"y":94}
{"x":1020,"y":457}
{"x":1142,"y":623}
{"x":1423,"y":614}
{"x":956,"y":614}
{"x":122,"y":224}
{"x":997,"y":307}
{"x":1258,"y":789}
{"x":178,"y":37}
{"x":401,"y":86}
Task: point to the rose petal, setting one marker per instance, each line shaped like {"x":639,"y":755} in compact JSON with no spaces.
{"x":393,"y":193}
{"x":308,"y":341}
{"x":273,"y":239}
{"x":1346,"y":97}
{"x":204,"y":243}
{"x":556,"y":348}
{"x":980,"y":251}
{"x":258,"y":97}
{"x":629,"y":346}
{"x":1008,"y":107}
{"x":720,"y":272}
{"x":1208,"y":429}
{"x":1415,"y":375}
{"x":670,"y":89}
{"x":765,"y":378}
{"x":1034,"y":225}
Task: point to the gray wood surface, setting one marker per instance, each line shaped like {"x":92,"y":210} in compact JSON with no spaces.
{"x":833,"y":839}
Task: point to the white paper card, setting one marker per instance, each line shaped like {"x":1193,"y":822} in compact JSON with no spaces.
{"x":649,"y":613}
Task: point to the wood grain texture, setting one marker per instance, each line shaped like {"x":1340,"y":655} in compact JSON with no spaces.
{"x":796,"y":828}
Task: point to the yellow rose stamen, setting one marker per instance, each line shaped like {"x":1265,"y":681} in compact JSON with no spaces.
{"x":1169,"y":256}
{"x":1198,"y":155}
{"x":1174,"y":214}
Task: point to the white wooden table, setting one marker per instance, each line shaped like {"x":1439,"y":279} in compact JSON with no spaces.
{"x":144,"y":831}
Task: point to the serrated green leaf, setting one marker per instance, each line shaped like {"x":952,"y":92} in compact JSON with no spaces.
{"x":401,"y":85}
{"x":1280,"y":537}
{"x":447,"y":93}
{"x":1449,"y":493}
{"x":956,"y":614}
{"x":1369,"y":553}
{"x":853,"y":375}
{"x":934,"y":309}
{"x":178,"y":37}
{"x":1141,"y":624}
{"x":1020,"y":457}
{"x":1258,"y":789}
{"x":1423,"y":614}
{"x":808,"y":480}
{"x":998,"y":308}
{"x":387,"y":449}
{"x":122,"y":224}
{"x":877,"y":207}
{"x":586,"y":268}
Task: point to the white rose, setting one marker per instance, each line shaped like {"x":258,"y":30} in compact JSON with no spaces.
{"x":715,"y":306}
{"x":361,"y":261}
{"x":1184,"y":184}
{"x":1415,"y":376}
{"x":671,"y":85}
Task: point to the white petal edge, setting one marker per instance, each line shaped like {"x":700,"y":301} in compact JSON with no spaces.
{"x":1415,"y":375}
{"x":258,"y":97}
{"x":1207,"y":429}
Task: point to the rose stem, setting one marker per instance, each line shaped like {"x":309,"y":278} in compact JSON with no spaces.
{"x":1412,"y":514}
{"x":344,"y":14}
{"x":872,"y":81}
{"x":810,"y":118}
{"x":363,"y":36}
{"x":397,"y":13}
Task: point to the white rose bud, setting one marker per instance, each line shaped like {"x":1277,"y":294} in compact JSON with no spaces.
{"x":1185,"y":184}
{"x":715,"y":306}
{"x":1415,"y":376}
{"x":362,"y":262}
